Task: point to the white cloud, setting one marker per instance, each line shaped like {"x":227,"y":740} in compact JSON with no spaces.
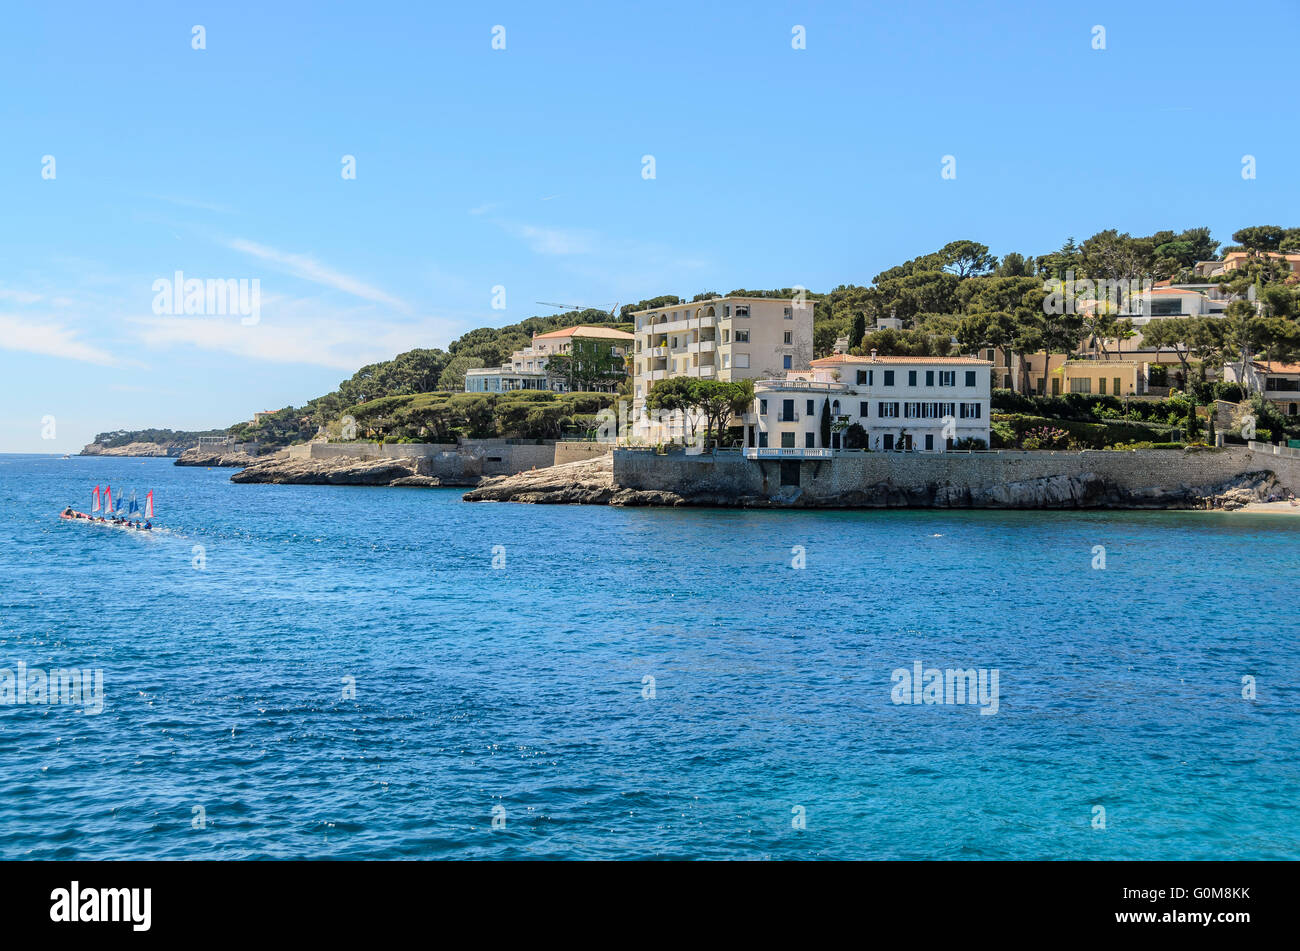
{"x":292,"y":331}
{"x":49,"y":339}
{"x":309,"y":269}
{"x":558,"y":241}
{"x":19,"y":297}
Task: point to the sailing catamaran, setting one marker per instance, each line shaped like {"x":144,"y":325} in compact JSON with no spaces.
{"x":124,"y":516}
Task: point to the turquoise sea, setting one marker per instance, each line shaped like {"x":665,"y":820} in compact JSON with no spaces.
{"x":228,"y":642}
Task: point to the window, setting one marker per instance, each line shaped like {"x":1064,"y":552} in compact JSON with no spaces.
{"x":864,"y":409}
{"x":889,"y":442}
{"x":787,"y":362}
{"x":787,"y":314}
{"x":988,"y":355}
{"x":742,"y":336}
{"x":929,"y":442}
{"x":789,"y":337}
{"x":1006,"y":381}
{"x":810,"y":408}
{"x":1056,"y":386}
{"x":1116,"y":390}
{"x":808,"y":441}
{"x":787,"y":411}
{"x":889,"y":378}
{"x":947,"y":377}
{"x":862,"y":377}
{"x":742,"y":361}
{"x":762,"y":407}
{"x":887,"y":410}
{"x":1081,"y":386}
{"x":911,"y":378}
{"x":742,"y":311}
{"x":762,"y":440}
{"x":787,"y":440}
{"x":970,"y":377}
{"x":929,"y":378}
{"x":1101,"y":386}
{"x":726,"y":310}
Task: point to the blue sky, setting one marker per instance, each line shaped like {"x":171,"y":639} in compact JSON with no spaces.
{"x":522,"y":168}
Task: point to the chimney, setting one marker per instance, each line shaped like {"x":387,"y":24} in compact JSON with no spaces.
{"x":873,"y":354}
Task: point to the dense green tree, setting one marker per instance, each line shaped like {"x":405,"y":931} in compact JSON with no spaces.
{"x":967,"y":258}
{"x":857,"y":330}
{"x":1260,"y":238}
{"x":453,"y":375}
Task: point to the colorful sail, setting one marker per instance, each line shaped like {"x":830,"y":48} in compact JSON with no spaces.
{"x":94,"y":500}
{"x":133,"y":507}
{"x":148,"y":504}
{"x":108,"y":500}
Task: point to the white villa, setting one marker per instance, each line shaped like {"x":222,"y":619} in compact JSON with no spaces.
{"x":1279,"y":383}
{"x":923,"y":404}
{"x":527,"y":368}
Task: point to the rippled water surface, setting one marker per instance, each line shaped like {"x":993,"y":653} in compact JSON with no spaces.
{"x":523,"y":687}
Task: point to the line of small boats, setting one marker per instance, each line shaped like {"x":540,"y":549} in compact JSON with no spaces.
{"x":127,"y":515}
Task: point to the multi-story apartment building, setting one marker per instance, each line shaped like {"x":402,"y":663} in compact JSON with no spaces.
{"x":726,"y":338}
{"x":923,"y":404}
{"x":527,"y":369}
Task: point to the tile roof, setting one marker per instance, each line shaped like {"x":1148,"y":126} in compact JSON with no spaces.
{"x":839,"y":358}
{"x":608,"y":333}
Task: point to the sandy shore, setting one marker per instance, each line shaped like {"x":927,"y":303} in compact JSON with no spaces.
{"x":1271,"y":508}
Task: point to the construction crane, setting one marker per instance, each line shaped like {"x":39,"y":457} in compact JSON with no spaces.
{"x":547,"y":303}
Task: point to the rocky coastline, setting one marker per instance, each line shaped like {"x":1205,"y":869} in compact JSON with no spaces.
{"x":217,"y":459}
{"x":145,"y":449}
{"x":280,"y":469}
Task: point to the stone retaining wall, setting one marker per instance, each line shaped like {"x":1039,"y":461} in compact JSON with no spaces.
{"x":577,"y":451}
{"x":730,"y":474}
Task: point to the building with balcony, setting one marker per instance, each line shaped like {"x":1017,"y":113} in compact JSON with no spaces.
{"x":1279,"y":383}
{"x":725,"y":338}
{"x":922,"y":404}
{"x":527,"y":369}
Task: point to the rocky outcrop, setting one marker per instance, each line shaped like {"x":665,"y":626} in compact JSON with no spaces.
{"x":217,"y":458}
{"x":151,"y":449}
{"x":591,"y":482}
{"x":280,"y":469}
{"x":588,"y":482}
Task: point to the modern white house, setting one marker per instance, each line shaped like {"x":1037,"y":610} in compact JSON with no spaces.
{"x":1279,"y":383}
{"x":527,"y":369}
{"x":919,"y":404}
